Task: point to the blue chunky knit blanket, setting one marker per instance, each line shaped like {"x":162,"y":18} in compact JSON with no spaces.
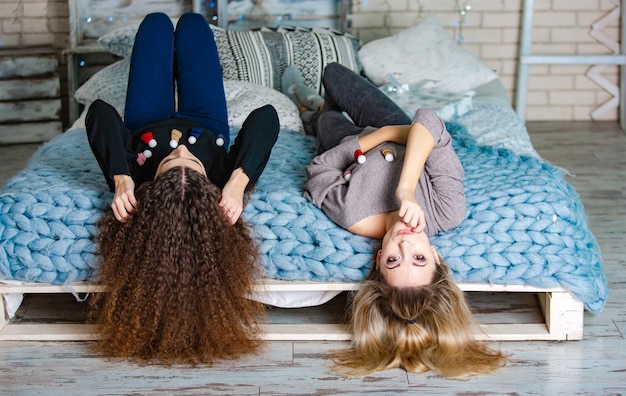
{"x":524,"y":223}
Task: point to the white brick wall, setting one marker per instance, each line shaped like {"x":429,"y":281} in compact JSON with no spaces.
{"x":492,"y":33}
{"x":33,"y":22}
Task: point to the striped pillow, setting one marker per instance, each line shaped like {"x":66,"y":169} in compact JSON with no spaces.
{"x":310,"y":49}
{"x":261,"y":56}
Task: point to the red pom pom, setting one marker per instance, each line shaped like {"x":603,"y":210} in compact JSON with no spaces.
{"x":359,"y":156}
{"x":148,"y":139}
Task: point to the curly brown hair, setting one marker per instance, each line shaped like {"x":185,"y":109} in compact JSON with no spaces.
{"x":416,"y":328}
{"x":177,"y":276}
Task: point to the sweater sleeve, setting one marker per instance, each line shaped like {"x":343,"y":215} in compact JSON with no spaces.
{"x":326,"y":171}
{"x":108,"y":138}
{"x":444,"y":173}
{"x":253,"y":146}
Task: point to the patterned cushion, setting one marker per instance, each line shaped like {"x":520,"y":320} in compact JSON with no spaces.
{"x":310,"y":49}
{"x":261,"y":56}
{"x":119,"y":41}
{"x":110,"y":83}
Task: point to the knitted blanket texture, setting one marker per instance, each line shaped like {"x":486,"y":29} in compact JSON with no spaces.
{"x":525,"y":224}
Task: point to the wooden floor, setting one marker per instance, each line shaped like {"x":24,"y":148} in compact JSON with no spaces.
{"x":595,"y":156}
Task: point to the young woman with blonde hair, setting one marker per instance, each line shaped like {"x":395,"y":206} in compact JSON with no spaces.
{"x":382,"y":175}
{"x":178,"y":260}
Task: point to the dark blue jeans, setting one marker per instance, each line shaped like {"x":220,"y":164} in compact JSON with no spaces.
{"x":186,"y":59}
{"x":360,"y":99}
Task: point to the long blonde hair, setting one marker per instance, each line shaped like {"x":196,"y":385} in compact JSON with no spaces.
{"x":417,"y":328}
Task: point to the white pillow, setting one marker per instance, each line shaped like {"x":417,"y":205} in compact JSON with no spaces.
{"x":294,"y":299}
{"x":110,"y":83}
{"x":424,"y":52}
{"x":242,"y":97}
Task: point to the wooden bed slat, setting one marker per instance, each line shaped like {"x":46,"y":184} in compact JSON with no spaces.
{"x":563,"y":315}
{"x":272,"y":332}
{"x":265,"y":285}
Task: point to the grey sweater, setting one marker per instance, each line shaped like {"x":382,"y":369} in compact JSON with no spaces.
{"x":372,"y":185}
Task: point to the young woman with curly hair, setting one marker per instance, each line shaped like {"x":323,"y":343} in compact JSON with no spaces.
{"x":178,"y":260}
{"x":382,"y":175}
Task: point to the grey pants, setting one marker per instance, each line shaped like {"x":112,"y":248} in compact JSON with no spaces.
{"x":360,"y":99}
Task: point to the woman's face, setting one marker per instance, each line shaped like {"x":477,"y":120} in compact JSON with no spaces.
{"x":406,"y":258}
{"x":180,"y":156}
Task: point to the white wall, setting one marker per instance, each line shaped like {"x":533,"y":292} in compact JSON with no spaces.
{"x":492,"y":33}
{"x":33,"y":22}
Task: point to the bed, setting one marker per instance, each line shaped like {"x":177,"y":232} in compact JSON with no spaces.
{"x":525,"y":229}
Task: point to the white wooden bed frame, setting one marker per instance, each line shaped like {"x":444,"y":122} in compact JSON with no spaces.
{"x":562,"y":315}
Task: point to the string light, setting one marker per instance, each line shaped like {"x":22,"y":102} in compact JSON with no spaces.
{"x":207,"y":7}
{"x":387,"y":22}
{"x":420,"y":10}
{"x":464,"y":8}
{"x":18,"y":19}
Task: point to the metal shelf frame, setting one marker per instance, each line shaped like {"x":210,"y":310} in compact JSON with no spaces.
{"x":527,"y":59}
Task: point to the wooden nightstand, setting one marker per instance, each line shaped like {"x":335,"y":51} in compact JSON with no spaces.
{"x":30,"y":95}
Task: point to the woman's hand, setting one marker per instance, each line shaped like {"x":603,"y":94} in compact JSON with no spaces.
{"x":231,"y":202}
{"x":124,"y":202}
{"x":410,"y":212}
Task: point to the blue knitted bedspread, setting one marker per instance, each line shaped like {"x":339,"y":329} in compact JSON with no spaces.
{"x":524,"y":224}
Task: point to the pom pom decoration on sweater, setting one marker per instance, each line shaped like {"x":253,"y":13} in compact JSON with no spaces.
{"x":220,"y":140}
{"x":359,"y":157}
{"x":347,"y":175}
{"x":141,"y":158}
{"x":194,"y":134}
{"x":148,"y":138}
{"x":175,"y":138}
{"x":389,"y":154}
